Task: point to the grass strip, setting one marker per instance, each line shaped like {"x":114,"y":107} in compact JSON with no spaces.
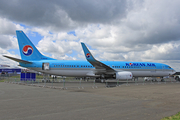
{"x":173,"y":117}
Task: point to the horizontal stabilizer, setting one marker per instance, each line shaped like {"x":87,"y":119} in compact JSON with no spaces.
{"x":18,"y":60}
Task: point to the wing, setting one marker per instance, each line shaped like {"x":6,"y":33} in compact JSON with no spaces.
{"x":100,"y":67}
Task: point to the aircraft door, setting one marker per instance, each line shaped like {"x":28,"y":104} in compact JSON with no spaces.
{"x":45,"y":66}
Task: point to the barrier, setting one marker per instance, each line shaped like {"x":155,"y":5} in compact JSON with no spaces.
{"x":73,"y":83}
{"x":28,"y":77}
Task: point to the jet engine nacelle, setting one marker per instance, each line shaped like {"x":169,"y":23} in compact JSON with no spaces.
{"x":124,"y":75}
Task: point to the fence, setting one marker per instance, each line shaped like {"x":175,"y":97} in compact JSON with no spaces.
{"x":73,"y":83}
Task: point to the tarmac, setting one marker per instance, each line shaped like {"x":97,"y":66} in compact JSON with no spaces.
{"x":132,"y":102}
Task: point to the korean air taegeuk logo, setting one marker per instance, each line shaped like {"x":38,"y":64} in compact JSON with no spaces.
{"x":27,"y":50}
{"x":88,"y":55}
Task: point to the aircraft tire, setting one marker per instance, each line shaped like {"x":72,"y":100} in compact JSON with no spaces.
{"x":177,"y":78}
{"x":97,"y":80}
{"x":162,"y":80}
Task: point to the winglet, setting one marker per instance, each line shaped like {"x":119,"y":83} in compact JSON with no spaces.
{"x":87,"y":53}
{"x":97,"y":64}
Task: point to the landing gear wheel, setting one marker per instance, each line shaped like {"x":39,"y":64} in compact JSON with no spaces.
{"x":177,"y":78}
{"x":97,"y":80}
{"x":162,"y":80}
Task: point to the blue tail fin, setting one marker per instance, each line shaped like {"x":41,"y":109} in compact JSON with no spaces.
{"x":27,"y":50}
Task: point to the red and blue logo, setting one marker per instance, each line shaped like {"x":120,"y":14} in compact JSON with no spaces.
{"x":27,"y":50}
{"x":88,"y":55}
{"x":131,"y":64}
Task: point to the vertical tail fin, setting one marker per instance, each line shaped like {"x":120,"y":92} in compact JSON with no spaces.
{"x":27,"y":50}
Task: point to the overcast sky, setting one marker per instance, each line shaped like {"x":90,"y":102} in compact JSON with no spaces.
{"x":118,"y":30}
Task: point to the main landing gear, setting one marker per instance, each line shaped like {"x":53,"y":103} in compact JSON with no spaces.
{"x":100,"y":80}
{"x":162,"y":80}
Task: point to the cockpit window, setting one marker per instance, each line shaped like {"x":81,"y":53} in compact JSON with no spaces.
{"x":169,"y":67}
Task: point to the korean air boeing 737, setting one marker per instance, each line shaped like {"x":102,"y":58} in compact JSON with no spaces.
{"x":31,"y":58}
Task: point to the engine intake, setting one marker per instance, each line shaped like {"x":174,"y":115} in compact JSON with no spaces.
{"x":124,"y":75}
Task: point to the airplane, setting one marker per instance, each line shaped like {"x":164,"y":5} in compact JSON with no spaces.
{"x":31,"y":58}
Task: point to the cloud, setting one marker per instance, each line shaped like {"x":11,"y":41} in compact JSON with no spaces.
{"x":58,"y":46}
{"x":152,"y":23}
{"x":7,"y":27}
{"x":94,"y":11}
{"x":132,"y":30}
{"x":62,"y":15}
{"x":35,"y":13}
{"x":7,"y":42}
